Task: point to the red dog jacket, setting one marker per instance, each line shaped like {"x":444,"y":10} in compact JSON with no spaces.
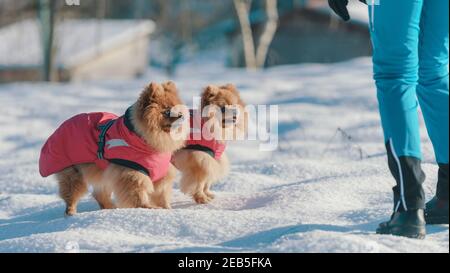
{"x":101,"y":138}
{"x":197,"y":140}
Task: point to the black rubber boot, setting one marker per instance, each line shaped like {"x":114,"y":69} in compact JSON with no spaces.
{"x":436,"y":212}
{"x":409,"y":224}
{"x":442,"y":185}
{"x":409,"y":197}
{"x":409,"y":177}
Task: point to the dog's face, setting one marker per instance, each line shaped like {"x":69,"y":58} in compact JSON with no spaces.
{"x":156,"y":107}
{"x":227,"y":101}
{"x":159,"y":110}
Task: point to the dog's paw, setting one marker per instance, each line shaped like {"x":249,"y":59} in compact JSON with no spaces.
{"x":210,"y":195}
{"x":201,"y":198}
{"x":109,"y":206}
{"x":70,"y":212}
{"x":147,"y":206}
{"x":163,"y":206}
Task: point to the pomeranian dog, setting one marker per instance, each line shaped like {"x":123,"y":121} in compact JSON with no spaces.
{"x":128,"y":156}
{"x":203,"y":160}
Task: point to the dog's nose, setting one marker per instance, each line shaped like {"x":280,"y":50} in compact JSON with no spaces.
{"x":232,"y":120}
{"x":180,"y":117}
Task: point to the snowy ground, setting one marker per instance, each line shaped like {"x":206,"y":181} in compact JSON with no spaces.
{"x":314,"y":194}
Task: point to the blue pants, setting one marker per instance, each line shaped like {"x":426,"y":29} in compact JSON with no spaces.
{"x":410,"y":57}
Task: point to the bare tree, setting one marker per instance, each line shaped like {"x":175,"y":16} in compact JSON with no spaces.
{"x":243,"y":12}
{"x":255,"y":59}
{"x":47,"y":16}
{"x":268,"y":34}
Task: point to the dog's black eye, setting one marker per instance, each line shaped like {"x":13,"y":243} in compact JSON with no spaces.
{"x":167,"y":113}
{"x":229,"y":109}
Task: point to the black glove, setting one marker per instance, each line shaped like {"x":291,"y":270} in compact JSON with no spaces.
{"x":340,"y":8}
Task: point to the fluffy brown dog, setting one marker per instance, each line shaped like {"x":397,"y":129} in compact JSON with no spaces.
{"x":151,"y":120}
{"x":203,"y":164}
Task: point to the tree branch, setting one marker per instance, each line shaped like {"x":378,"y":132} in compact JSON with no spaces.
{"x":268,"y":34}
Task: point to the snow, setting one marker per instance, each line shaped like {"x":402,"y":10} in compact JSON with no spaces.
{"x":313,"y":194}
{"x":76,"y":40}
{"x":358,"y":11}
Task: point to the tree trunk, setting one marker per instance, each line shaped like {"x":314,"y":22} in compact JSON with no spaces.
{"x":256,"y":58}
{"x":243,"y":12}
{"x":269,"y":33}
{"x":46,"y":12}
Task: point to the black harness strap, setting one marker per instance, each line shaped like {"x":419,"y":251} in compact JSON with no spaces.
{"x":101,"y":138}
{"x":129,"y":164}
{"x":201,"y":148}
{"x":122,"y":162}
{"x":127,"y":121}
{"x":198,"y":147}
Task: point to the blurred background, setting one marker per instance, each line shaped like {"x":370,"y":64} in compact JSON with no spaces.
{"x":79,"y":40}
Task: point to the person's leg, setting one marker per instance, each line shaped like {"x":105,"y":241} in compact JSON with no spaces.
{"x":395,"y":38}
{"x":433,"y":94}
{"x":432,"y":90}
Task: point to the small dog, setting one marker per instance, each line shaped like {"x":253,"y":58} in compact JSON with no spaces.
{"x":203,"y":161}
{"x":128,"y":156}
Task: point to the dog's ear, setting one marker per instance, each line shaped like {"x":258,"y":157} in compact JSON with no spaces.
{"x":150,"y":93}
{"x":170,"y":87}
{"x":232,"y":88}
{"x":229,"y":86}
{"x":155,"y":90}
{"x":210,"y":91}
{"x":208,"y":94}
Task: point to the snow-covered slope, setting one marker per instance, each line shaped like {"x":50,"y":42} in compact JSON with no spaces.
{"x":319,"y":192}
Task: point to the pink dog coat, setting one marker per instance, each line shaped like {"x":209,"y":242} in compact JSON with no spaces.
{"x":101,"y":138}
{"x":197,"y":141}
